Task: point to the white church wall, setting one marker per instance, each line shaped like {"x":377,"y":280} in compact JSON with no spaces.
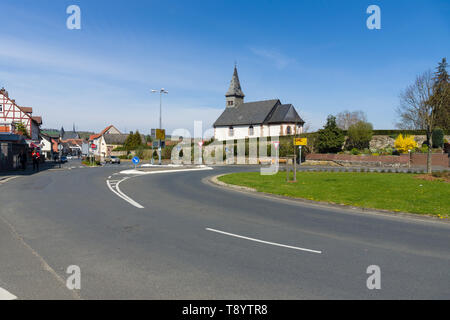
{"x":242,"y":132}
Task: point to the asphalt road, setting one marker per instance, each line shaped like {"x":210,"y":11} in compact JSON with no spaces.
{"x":169,"y":249}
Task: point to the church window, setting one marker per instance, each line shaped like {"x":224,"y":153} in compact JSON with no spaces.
{"x":230,"y":103}
{"x":251,"y":131}
{"x":230,"y":131}
{"x":288,"y":130}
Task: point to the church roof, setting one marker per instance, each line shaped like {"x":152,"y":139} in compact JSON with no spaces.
{"x":70,"y":135}
{"x":259,"y":112}
{"x":235,"y":86}
{"x":285,"y":113}
{"x":246,"y":113}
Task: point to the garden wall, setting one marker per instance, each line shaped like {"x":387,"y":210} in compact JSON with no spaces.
{"x":417,"y":159}
{"x":385,"y":141}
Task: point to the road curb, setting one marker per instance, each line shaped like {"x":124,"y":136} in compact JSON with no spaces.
{"x":6,"y":179}
{"x":346,"y":208}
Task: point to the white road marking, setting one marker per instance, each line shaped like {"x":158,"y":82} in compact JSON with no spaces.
{"x":5,"y":295}
{"x":121,"y":194}
{"x":262,"y":241}
{"x":133,"y":171}
{"x":113,"y":185}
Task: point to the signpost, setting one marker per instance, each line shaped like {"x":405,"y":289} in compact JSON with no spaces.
{"x":200,"y":144}
{"x":60,"y":147}
{"x":276,"y":144}
{"x":136,"y":161}
{"x":93,"y":147}
{"x":300,"y":141}
{"x":159,"y":136}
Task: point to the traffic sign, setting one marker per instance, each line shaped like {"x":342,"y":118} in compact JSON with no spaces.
{"x":276,"y":144}
{"x":136,"y":160}
{"x":93,"y":146}
{"x":160,"y":134}
{"x":200,"y":143}
{"x":300,"y":141}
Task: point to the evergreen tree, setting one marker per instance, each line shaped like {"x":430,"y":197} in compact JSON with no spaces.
{"x":441,"y":91}
{"x":133,"y":141}
{"x":331,"y":137}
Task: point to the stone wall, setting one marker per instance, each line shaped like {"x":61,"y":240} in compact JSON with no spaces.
{"x":381,"y":142}
{"x":417,"y":159}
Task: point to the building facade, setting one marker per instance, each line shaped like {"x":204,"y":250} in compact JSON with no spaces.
{"x":106,"y":141}
{"x":11,"y":114}
{"x":257,"y":119}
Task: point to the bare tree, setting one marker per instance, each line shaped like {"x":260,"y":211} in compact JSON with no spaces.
{"x":347,"y":118}
{"x":419,"y":105}
{"x":306,"y":128}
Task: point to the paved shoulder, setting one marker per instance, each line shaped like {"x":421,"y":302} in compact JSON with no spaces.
{"x":23,"y":273}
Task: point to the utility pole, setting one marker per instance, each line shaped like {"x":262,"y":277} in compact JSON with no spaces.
{"x":161,"y":91}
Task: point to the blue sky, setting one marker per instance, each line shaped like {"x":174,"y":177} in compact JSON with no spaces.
{"x":316,"y":54}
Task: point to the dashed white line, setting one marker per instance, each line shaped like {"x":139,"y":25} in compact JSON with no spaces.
{"x":262,"y":241}
{"x":5,"y":295}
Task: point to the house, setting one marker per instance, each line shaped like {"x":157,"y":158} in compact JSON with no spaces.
{"x":257,"y":119}
{"x":106,"y":141}
{"x":72,"y":142}
{"x":46,"y":146}
{"x":50,"y":141}
{"x":11,"y":114}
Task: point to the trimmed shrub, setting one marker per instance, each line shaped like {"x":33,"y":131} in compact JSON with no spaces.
{"x":438,"y":138}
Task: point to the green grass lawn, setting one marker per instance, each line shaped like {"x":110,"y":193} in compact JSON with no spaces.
{"x":391,"y":191}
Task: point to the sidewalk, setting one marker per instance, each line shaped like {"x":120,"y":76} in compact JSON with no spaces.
{"x":28,"y":171}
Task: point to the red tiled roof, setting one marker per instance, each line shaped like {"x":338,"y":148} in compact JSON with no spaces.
{"x":98,"y":135}
{"x":26,"y":109}
{"x":37,"y":119}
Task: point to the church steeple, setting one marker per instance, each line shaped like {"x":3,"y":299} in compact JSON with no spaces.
{"x":234,"y":95}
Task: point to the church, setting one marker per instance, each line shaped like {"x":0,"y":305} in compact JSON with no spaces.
{"x":267,"y":118}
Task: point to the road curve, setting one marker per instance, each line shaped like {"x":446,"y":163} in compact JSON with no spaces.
{"x":196,"y":241}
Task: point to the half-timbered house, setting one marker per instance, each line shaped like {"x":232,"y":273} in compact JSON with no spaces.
{"x":11,"y":114}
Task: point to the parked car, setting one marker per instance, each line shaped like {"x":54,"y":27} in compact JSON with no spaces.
{"x":113,"y":159}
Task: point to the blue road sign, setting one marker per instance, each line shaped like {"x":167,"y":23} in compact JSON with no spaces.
{"x":136,"y":160}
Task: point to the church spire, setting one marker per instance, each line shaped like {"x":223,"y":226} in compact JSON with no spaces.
{"x":234,"y":95}
{"x":235,"y":86}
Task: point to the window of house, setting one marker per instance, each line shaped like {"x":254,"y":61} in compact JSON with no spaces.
{"x":288,"y":130}
{"x":1,"y":107}
{"x":230,"y":131}
{"x":251,"y":131}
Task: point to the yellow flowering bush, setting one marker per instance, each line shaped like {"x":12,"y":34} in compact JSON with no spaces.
{"x":403,"y":144}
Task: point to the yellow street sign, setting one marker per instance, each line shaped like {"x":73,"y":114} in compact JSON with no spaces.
{"x":300,"y":141}
{"x":160,"y":134}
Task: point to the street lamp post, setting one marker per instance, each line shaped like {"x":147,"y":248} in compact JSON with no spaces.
{"x":161,"y":91}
